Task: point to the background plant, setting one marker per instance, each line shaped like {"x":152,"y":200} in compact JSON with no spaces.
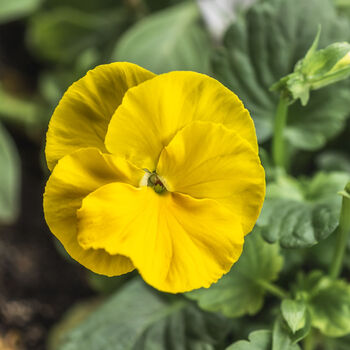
{"x":290,"y":289}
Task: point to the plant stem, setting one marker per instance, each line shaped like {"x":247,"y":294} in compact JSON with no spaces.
{"x":309,"y":341}
{"x":273,"y":289}
{"x":278,"y":145}
{"x":342,"y":233}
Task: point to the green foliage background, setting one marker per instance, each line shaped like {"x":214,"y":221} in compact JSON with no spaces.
{"x":279,"y":295}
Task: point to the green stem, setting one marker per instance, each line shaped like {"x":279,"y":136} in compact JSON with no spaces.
{"x":273,"y":289}
{"x":342,"y":233}
{"x":309,"y":341}
{"x":278,"y":145}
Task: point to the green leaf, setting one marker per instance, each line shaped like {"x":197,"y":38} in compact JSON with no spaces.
{"x":53,"y":83}
{"x":136,"y":318}
{"x":241,"y":291}
{"x":62,"y":34}
{"x":70,"y":320}
{"x":328,"y":301}
{"x":346,"y":194}
{"x":281,"y":339}
{"x":171,"y":39}
{"x":106,"y":285}
{"x":343,"y":7}
{"x":336,"y":343}
{"x":14,"y":109}
{"x":304,"y":331}
{"x":9,"y":178}
{"x":294,"y":312}
{"x":302,"y":213}
{"x":342,"y":3}
{"x":258,"y":52}
{"x":86,"y":5}
{"x":258,"y":340}
{"x":12,"y":10}
{"x":334,"y":161}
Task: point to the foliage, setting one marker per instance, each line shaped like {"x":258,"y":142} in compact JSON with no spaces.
{"x":258,"y":340}
{"x":328,"y":301}
{"x":294,"y":312}
{"x":257,"y":52}
{"x":242,"y":290}
{"x":62,"y":34}
{"x":11,"y":10}
{"x":138,"y":318}
{"x":302,"y":213}
{"x":183,"y":45}
{"x":9,"y":178}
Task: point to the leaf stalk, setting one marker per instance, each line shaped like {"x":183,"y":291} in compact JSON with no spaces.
{"x":278,"y":144}
{"x":273,"y":289}
{"x":309,"y":341}
{"x":342,"y":232}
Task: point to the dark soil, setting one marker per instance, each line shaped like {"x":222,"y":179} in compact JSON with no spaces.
{"x":36,"y":284}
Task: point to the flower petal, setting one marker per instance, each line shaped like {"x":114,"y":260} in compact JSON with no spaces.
{"x":74,"y":177}
{"x":152,"y":113}
{"x":207,"y":160}
{"x":83,"y":114}
{"x":177,"y":243}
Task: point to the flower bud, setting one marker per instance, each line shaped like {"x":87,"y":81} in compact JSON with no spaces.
{"x":317,"y":69}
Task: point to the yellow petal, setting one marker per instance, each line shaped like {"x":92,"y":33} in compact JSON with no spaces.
{"x":177,"y":243}
{"x":152,"y":113}
{"x":83,"y":114}
{"x":74,"y":177}
{"x":207,"y":160}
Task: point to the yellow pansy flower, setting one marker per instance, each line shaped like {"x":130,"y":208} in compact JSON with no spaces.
{"x":158,"y":173}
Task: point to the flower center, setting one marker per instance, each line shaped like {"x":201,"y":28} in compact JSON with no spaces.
{"x":154,"y":182}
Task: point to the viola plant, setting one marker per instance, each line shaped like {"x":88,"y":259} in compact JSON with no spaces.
{"x":158,"y":173}
{"x":157,"y":178}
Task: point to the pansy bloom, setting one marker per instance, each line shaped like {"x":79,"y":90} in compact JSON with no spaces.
{"x":155,"y":172}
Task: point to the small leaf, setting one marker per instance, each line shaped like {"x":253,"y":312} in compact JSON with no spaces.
{"x":171,"y":39}
{"x":9,"y":178}
{"x":257,"y":52}
{"x":281,"y":339}
{"x":258,"y":340}
{"x":12,"y":10}
{"x":304,"y":331}
{"x":293,"y":312}
{"x":138,"y":318}
{"x":329,"y":303}
{"x":239,"y":292}
{"x":300,"y":214}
